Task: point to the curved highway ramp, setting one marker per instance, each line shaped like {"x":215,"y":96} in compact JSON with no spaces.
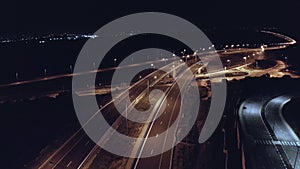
{"x":267,"y":139}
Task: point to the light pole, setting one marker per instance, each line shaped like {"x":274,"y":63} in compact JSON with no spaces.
{"x":245,"y":58}
{"x":262,"y":48}
{"x":71,"y":68}
{"x":286,"y":59}
{"x":165,"y":60}
{"x":195,"y":55}
{"x":115,"y":62}
{"x":174,"y":55}
{"x":188,"y":56}
{"x":17,"y":77}
{"x":152,"y":65}
{"x":45,"y":72}
{"x":173,"y":70}
{"x":228,"y":62}
{"x":183,"y":52}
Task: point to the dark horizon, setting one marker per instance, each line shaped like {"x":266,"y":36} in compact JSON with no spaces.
{"x":40,"y":17}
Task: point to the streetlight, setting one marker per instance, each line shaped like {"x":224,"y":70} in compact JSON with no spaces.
{"x":245,"y":58}
{"x":195,"y":55}
{"x":285,"y":59}
{"x":152,"y":65}
{"x":262,"y":48}
{"x":173,"y":70}
{"x":71,"y":68}
{"x":115,"y":62}
{"x":228,"y":62}
{"x":17,"y":77}
{"x":188,"y":56}
{"x":94,"y":65}
{"x":182,"y":54}
{"x":163,"y":59}
{"x":45,"y":72}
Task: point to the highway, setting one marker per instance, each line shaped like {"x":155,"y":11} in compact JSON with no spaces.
{"x":265,"y":132}
{"x":75,"y":150}
{"x":163,"y":123}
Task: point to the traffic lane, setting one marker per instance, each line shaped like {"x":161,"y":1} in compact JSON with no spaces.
{"x":266,"y":157}
{"x":76,"y":155}
{"x":71,"y":144}
{"x":254,"y":130}
{"x":166,"y":157}
{"x":273,"y":113}
{"x":60,"y":153}
{"x":160,"y":125}
{"x":283,"y":132}
{"x":250,"y":116}
{"x":76,"y":140}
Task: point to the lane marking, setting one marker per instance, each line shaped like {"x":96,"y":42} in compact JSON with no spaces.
{"x":69,"y":163}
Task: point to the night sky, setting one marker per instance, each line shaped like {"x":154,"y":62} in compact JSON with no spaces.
{"x":34,"y":18}
{"x":44,"y":17}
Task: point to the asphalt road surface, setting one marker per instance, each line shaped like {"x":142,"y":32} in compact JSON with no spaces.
{"x":268,"y":139}
{"x":72,"y":153}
